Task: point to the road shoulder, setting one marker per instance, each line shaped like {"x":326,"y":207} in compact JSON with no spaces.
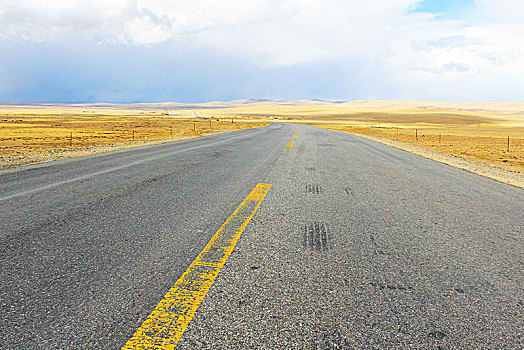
{"x":488,"y":170}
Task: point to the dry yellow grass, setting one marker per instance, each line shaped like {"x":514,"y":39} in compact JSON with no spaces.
{"x":471,"y":132}
{"x":28,"y":135}
{"x":481,"y":142}
{"x":474,"y":131}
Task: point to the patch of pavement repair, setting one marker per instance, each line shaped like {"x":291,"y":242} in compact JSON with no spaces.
{"x":491,"y":171}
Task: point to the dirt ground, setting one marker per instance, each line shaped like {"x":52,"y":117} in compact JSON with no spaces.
{"x":35,"y":137}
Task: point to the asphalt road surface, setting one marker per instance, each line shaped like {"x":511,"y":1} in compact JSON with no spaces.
{"x":356,"y":245}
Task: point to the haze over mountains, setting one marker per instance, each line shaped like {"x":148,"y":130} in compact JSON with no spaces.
{"x":514,"y":108}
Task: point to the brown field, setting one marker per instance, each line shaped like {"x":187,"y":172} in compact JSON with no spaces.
{"x":484,"y":143}
{"x":28,"y":135}
{"x":477,"y":132}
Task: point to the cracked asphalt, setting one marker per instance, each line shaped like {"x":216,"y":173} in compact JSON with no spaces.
{"x":357,"y":245}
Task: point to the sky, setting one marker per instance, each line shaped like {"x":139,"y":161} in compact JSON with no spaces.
{"x":127,"y":51}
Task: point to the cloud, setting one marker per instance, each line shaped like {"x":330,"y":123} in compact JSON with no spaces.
{"x":371,"y":49}
{"x":107,"y":21}
{"x":454,"y":41}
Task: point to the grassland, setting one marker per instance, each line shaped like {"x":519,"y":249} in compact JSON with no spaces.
{"x":474,"y":131}
{"x":477,"y":132}
{"x":481,"y":142}
{"x":29,"y":135}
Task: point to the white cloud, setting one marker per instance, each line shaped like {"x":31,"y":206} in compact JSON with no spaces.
{"x":499,"y":11}
{"x":275,"y":33}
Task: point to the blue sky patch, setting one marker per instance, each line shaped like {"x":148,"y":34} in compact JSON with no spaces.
{"x":454,"y":9}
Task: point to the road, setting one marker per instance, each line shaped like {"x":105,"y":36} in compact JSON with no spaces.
{"x":355,"y":245}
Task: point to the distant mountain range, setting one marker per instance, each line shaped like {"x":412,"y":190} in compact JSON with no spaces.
{"x":486,"y":107}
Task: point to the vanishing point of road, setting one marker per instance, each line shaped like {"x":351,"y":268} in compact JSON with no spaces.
{"x":332,"y":241}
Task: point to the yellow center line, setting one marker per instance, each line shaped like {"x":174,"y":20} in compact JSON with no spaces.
{"x":170,"y":318}
{"x":289,"y":146}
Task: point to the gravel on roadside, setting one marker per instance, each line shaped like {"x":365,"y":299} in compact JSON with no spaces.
{"x":485,"y":169}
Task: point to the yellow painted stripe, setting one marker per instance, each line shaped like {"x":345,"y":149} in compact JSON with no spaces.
{"x":294,"y":135}
{"x":170,"y":318}
{"x":289,"y":146}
